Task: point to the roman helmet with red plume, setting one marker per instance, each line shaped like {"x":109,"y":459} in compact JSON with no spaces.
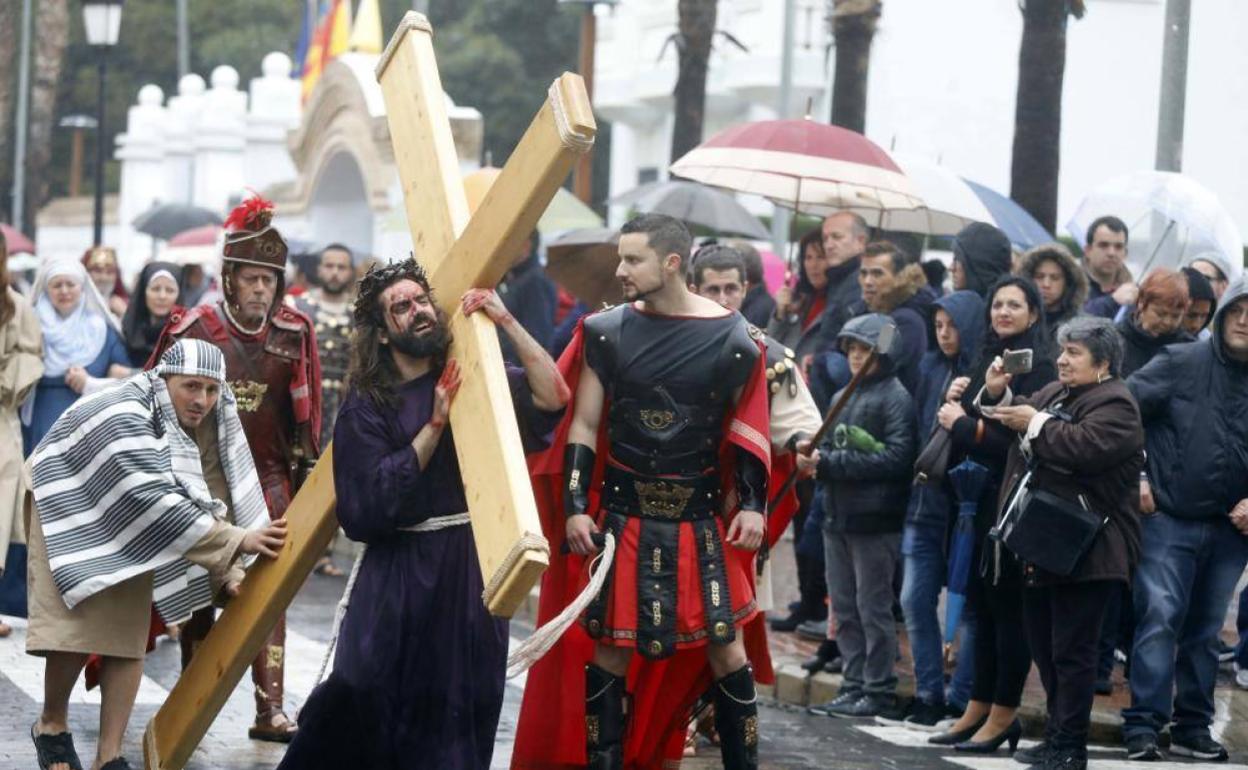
{"x":250,"y":237}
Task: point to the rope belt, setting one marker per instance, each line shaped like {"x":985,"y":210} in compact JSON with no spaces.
{"x":438,"y":522}
{"x":428,"y":525}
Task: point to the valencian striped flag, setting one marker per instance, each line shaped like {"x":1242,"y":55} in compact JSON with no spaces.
{"x":327,"y":40}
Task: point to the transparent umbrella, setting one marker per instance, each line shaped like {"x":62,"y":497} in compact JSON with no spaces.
{"x":1171,"y":218}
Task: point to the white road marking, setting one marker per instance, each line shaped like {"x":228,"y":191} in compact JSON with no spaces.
{"x":1120,"y":763}
{"x":26,"y":671}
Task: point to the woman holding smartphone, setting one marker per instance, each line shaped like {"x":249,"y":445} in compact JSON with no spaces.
{"x":994,"y":593}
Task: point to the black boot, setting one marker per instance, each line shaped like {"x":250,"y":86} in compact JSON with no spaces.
{"x":604,"y":719}
{"x":736,"y":719}
{"x":1065,"y":758}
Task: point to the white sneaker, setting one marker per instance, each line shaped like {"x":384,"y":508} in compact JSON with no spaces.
{"x":1241,"y":678}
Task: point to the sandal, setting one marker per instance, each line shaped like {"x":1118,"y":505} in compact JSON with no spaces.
{"x":55,"y":749}
{"x":326,"y":567}
{"x":279,"y":729}
{"x":117,"y":763}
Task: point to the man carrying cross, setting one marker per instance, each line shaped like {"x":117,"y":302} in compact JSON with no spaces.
{"x":418,"y":672}
{"x":679,"y":477}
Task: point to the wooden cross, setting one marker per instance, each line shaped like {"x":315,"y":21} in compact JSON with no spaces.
{"x":458,"y":254}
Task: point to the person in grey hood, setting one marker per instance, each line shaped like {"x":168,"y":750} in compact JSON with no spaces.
{"x":981,"y":255}
{"x":863,"y":466}
{"x":1194,"y":402}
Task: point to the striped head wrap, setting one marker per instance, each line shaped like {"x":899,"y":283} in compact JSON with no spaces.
{"x":119,"y":486}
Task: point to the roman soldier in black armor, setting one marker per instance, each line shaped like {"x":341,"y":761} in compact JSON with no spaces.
{"x":679,"y":476}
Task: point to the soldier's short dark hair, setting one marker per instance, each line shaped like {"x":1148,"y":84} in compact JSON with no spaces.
{"x":666,"y":235}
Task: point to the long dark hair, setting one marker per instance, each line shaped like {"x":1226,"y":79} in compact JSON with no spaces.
{"x":6,"y":302}
{"x":372,"y":371}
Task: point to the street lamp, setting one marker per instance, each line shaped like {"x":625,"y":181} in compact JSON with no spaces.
{"x":102,"y":21}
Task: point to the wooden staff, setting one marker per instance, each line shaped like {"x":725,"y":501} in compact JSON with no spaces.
{"x":885,"y":341}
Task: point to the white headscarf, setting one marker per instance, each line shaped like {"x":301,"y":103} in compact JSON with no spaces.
{"x":78,"y":338}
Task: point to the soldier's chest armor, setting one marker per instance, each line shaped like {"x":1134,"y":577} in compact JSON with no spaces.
{"x":259,"y":372}
{"x":333,"y":335}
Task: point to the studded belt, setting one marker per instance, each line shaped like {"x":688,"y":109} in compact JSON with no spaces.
{"x":664,"y":498}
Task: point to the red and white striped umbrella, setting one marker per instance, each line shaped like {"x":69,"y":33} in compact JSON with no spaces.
{"x":812,"y":167}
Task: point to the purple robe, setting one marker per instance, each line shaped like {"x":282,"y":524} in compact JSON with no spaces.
{"x":419,"y":669}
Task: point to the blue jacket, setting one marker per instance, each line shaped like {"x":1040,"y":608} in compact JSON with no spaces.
{"x":1193,"y":398}
{"x":932,"y":503}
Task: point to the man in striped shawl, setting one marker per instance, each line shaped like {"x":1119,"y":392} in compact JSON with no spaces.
{"x":144,"y":493}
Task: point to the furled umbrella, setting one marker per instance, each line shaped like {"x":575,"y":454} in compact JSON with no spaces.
{"x":17,"y":243}
{"x":1171,"y":218}
{"x":814,"y":168}
{"x":968,"y":479}
{"x":583,"y":262}
{"x":694,"y":204}
{"x":165,"y":220}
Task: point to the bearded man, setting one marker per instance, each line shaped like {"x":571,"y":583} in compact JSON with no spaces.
{"x":274,"y":371}
{"x":419,"y":666}
{"x":329,"y":307}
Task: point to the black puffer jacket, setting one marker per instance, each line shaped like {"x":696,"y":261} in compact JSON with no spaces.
{"x":867,"y":492}
{"x":1194,"y":401}
{"x":1139,"y":346}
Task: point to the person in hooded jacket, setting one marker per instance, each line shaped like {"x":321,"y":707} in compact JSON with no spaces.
{"x":1082,"y":440}
{"x":1016,"y":321}
{"x":981,"y":255}
{"x":893,"y":285}
{"x":1194,"y":402}
{"x":863,"y":464}
{"x":155,"y":296}
{"x":957,"y":327}
{"x":1157,"y":318}
{"x":1062,"y":282}
{"x":1204,"y":300}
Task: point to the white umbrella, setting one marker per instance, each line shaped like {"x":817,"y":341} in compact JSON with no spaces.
{"x":948,"y":203}
{"x":1171,"y":218}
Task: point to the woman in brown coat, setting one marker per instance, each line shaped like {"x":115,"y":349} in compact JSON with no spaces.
{"x":1083,"y":440}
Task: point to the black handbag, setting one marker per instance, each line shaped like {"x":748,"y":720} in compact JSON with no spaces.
{"x":1047,"y":530}
{"x":933,"y":461}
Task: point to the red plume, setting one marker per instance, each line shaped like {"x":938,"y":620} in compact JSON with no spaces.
{"x":253,"y":214}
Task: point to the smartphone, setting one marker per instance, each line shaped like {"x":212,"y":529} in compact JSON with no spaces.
{"x":1017,"y":361}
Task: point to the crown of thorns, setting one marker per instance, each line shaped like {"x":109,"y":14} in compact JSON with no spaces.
{"x":368,"y":308}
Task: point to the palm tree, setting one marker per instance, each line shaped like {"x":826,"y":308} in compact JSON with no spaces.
{"x":51,"y":39}
{"x":9,"y":28}
{"x":695,"y":32}
{"x":1038,"y":109}
{"x":853,"y":27}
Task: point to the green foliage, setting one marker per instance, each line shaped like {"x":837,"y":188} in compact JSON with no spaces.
{"x":496,"y":55}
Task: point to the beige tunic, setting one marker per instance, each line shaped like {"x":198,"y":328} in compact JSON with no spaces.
{"x":115,"y":621}
{"x":21,"y":366}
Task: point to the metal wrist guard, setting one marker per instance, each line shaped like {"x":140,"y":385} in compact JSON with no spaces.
{"x":751,"y":479}
{"x":578,"y":472}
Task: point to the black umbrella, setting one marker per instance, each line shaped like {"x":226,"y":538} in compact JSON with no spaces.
{"x":165,"y":220}
{"x":694,"y":204}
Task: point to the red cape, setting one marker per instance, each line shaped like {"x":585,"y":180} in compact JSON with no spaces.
{"x":551,"y":731}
